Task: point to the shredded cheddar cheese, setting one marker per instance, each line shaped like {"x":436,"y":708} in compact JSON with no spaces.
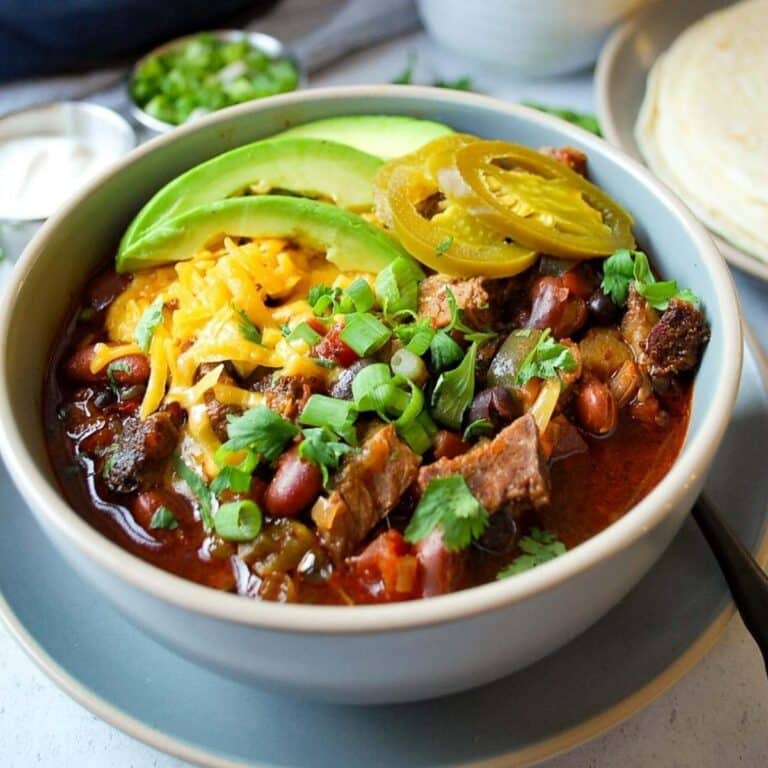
{"x":205,"y":300}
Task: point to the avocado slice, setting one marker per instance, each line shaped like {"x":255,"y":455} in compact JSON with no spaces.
{"x":385,"y":136}
{"x":349,"y":241}
{"x":305,"y":166}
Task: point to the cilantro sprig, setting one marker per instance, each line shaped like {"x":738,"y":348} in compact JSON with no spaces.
{"x":625,"y":267}
{"x":457,"y":322}
{"x":246,"y":327}
{"x":321,"y":447}
{"x":548,"y":358}
{"x":260,"y":430}
{"x":538,"y":547}
{"x":448,"y":503}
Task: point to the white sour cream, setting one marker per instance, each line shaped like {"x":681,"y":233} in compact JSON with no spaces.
{"x":40,"y":172}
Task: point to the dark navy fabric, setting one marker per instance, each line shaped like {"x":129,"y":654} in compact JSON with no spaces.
{"x":39,"y":37}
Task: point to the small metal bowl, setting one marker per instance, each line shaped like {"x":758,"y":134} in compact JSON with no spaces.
{"x":269,"y":45}
{"x":91,"y":122}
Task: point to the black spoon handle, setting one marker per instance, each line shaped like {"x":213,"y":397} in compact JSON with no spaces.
{"x":747,"y":580}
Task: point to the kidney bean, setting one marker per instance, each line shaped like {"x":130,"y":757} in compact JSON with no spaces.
{"x":595,"y":408}
{"x":553,"y":306}
{"x":341,"y":389}
{"x":127,"y":370}
{"x":105,"y":288}
{"x":296,"y":484}
{"x":496,"y":405}
{"x":147,"y":503}
{"x":601,"y":308}
{"x":254,"y":493}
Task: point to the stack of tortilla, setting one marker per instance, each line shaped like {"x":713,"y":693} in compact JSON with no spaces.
{"x":703,"y":127}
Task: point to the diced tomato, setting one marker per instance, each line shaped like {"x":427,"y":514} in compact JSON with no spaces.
{"x":388,"y":567}
{"x":441,"y":569}
{"x":334,"y":349}
{"x":317,"y":325}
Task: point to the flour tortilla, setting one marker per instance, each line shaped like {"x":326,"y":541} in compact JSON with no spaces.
{"x":703,"y":126}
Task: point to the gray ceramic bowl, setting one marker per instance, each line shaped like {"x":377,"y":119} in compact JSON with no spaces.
{"x":364,"y":653}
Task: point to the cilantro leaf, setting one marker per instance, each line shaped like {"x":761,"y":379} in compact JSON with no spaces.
{"x":454,"y":391}
{"x":320,"y":447}
{"x":324,"y":300}
{"x":448,"y":503}
{"x":247,"y":329}
{"x":164,"y":518}
{"x":477,"y":428}
{"x":444,"y":351}
{"x":117,"y":366}
{"x":231,"y":479}
{"x":538,"y":547}
{"x":546,"y":360}
{"x":624,"y":267}
{"x":199,"y":488}
{"x":457,"y":322}
{"x":147,"y":325}
{"x":260,"y":430}
{"x":582,"y":119}
{"x":618,"y":273}
{"x":406,"y":76}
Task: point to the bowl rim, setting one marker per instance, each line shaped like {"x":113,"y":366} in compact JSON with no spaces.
{"x":66,"y":526}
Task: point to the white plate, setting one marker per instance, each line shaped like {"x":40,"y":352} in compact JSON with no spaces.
{"x":664,"y":626}
{"x":620,"y":77}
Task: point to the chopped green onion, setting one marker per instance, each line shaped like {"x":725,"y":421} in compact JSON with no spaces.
{"x":238,"y":520}
{"x":397,"y":286}
{"x":163,"y":518}
{"x":454,"y":391}
{"x":364,"y":333}
{"x":305,"y":332}
{"x":367,"y":380}
{"x":406,"y":363}
{"x":416,"y":336}
{"x":199,"y":488}
{"x":361,"y":295}
{"x":444,"y":351}
{"x":248,"y":464}
{"x":231,"y":479}
{"x":414,"y":404}
{"x":419,"y":433}
{"x":338,"y":415}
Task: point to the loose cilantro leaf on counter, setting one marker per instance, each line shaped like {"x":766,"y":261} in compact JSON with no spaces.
{"x":148,"y":322}
{"x":247,"y":329}
{"x":546,"y":360}
{"x":406,"y":76}
{"x":624,"y":267}
{"x":164,"y":518}
{"x":322,"y":449}
{"x":199,"y":488}
{"x":538,"y":547}
{"x":463,"y":83}
{"x":582,"y":119}
{"x":261,"y":430}
{"x":448,"y":503}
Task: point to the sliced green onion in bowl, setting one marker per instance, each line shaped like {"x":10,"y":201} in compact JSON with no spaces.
{"x":364,"y":333}
{"x":238,"y":520}
{"x":411,"y":366}
{"x":338,"y":415}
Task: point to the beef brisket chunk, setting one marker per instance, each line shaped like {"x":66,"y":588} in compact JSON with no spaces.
{"x":289,"y":394}
{"x":675,"y":343}
{"x":506,"y":472}
{"x":368,"y":487}
{"x":481,"y":299}
{"x":218,"y":411}
{"x":141,"y":450}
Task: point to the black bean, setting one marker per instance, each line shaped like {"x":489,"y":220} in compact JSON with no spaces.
{"x":602,"y":309}
{"x":341,"y":389}
{"x":496,"y":405}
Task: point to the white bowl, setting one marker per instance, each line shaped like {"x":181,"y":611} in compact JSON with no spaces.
{"x":523,"y":37}
{"x":361,"y":653}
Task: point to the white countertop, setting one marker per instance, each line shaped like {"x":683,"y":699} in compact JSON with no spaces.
{"x":716,"y":717}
